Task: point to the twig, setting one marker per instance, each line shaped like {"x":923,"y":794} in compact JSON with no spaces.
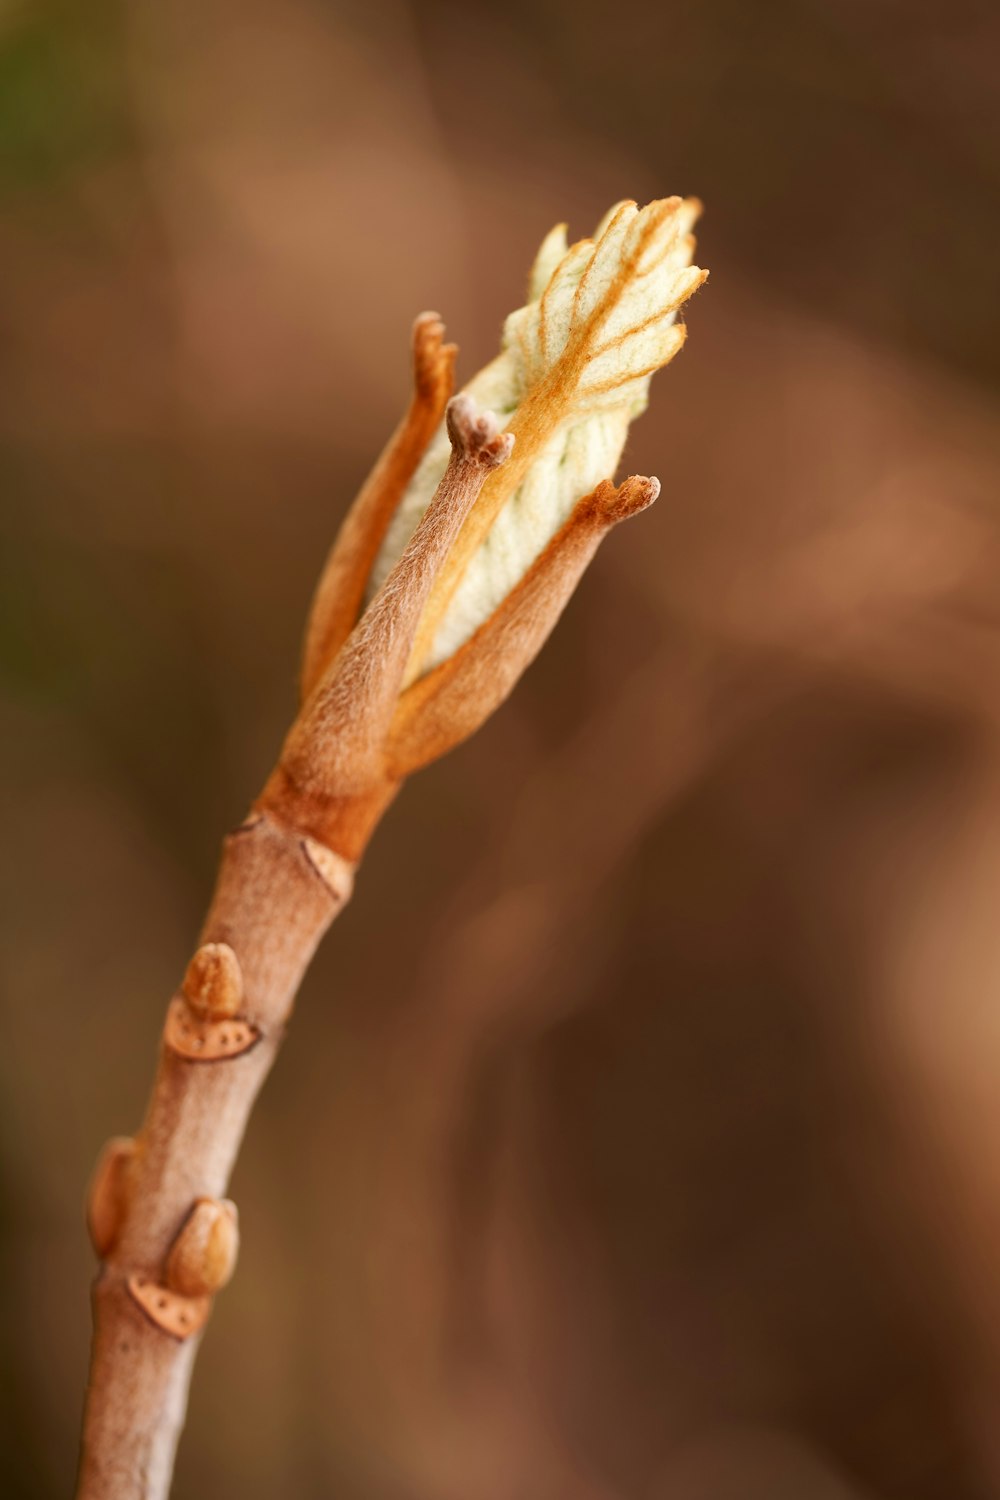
{"x":166,"y":1235}
{"x":158,"y":1216}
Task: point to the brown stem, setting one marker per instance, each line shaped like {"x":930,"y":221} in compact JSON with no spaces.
{"x":158,"y":1216}
{"x":277,"y":893}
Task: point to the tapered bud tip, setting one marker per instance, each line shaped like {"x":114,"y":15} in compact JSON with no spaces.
{"x":433,"y":359}
{"x":213,"y":984}
{"x":627,"y":499}
{"x":476,"y":434}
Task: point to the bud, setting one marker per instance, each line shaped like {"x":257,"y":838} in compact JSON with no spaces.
{"x":475,"y":525}
{"x":203,"y":1256}
{"x":107,"y":1200}
{"x":574,"y":370}
{"x":213,"y":983}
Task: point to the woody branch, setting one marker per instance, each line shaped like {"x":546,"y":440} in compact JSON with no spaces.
{"x":165,"y":1233}
{"x":158,"y":1216}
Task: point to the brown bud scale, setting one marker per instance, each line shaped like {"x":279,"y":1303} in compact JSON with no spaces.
{"x":178,"y":1316}
{"x":197,"y":1040}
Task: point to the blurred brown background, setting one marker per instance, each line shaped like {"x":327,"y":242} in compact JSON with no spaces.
{"x":638,"y":1136}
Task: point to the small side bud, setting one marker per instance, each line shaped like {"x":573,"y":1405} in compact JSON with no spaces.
{"x":204,"y":1253}
{"x":476,"y":434}
{"x":213,"y":984}
{"x":107,"y":1200}
{"x":627,"y":499}
{"x":433,"y":360}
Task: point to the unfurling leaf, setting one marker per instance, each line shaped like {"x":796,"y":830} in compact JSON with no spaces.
{"x":573,"y":371}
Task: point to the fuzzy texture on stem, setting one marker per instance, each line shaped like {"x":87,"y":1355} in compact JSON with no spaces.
{"x":166,"y":1235}
{"x":450,"y":703}
{"x":337,"y":602}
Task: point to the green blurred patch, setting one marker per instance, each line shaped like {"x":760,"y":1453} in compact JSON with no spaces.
{"x":62,"y":90}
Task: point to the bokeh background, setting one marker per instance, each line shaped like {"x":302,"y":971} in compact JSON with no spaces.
{"x":638,"y":1135}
